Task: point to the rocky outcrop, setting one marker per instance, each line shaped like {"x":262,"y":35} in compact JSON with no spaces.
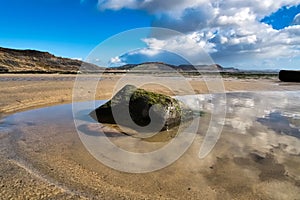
{"x":289,"y":76}
{"x":32,"y":61}
{"x":142,"y":107}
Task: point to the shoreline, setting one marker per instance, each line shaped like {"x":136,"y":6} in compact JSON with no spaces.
{"x":21,"y":92}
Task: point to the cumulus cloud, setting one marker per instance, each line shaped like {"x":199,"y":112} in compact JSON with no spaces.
{"x":231,"y":28}
{"x":116,"y":61}
{"x":176,"y":8}
{"x":171,"y":7}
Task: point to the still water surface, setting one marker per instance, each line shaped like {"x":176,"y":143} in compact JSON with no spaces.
{"x":260,"y":136}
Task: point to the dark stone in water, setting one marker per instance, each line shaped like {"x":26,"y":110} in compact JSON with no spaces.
{"x":164,"y":110}
{"x":289,"y":76}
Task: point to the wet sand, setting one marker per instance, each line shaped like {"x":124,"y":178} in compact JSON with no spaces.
{"x":22,"y":92}
{"x":37,"y":164}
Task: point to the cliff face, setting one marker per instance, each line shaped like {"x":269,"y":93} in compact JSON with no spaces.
{"x":12,"y":60}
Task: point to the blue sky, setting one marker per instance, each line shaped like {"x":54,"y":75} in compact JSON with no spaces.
{"x":257,"y":34}
{"x":66,"y":28}
{"x":283,"y":17}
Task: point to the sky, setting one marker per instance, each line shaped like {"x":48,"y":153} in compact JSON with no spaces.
{"x":256,"y":34}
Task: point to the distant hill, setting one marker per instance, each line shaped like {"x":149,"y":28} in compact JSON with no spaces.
{"x":164,"y":67}
{"x":32,"y":61}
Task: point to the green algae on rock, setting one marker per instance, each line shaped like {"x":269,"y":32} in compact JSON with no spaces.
{"x":134,"y":107}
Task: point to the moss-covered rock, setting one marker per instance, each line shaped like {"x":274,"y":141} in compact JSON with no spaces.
{"x":164,"y":110}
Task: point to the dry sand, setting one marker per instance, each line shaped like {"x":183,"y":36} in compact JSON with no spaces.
{"x":61,"y":168}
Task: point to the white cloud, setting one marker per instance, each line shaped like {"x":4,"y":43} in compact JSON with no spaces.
{"x":230,"y":28}
{"x":80,"y":59}
{"x":173,"y":8}
{"x":115,"y":59}
{"x":150,"y":52}
{"x":190,"y":47}
{"x":176,"y":8}
{"x":245,"y":15}
{"x":116,"y":62}
{"x":117,"y":4}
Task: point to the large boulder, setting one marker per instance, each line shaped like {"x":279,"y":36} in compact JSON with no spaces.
{"x":289,"y":76}
{"x":137,"y":108}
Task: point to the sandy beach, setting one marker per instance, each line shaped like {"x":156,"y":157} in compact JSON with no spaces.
{"x":27,"y":91}
{"x":52,"y":165}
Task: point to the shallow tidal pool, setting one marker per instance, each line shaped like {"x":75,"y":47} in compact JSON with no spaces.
{"x":256,"y":155}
